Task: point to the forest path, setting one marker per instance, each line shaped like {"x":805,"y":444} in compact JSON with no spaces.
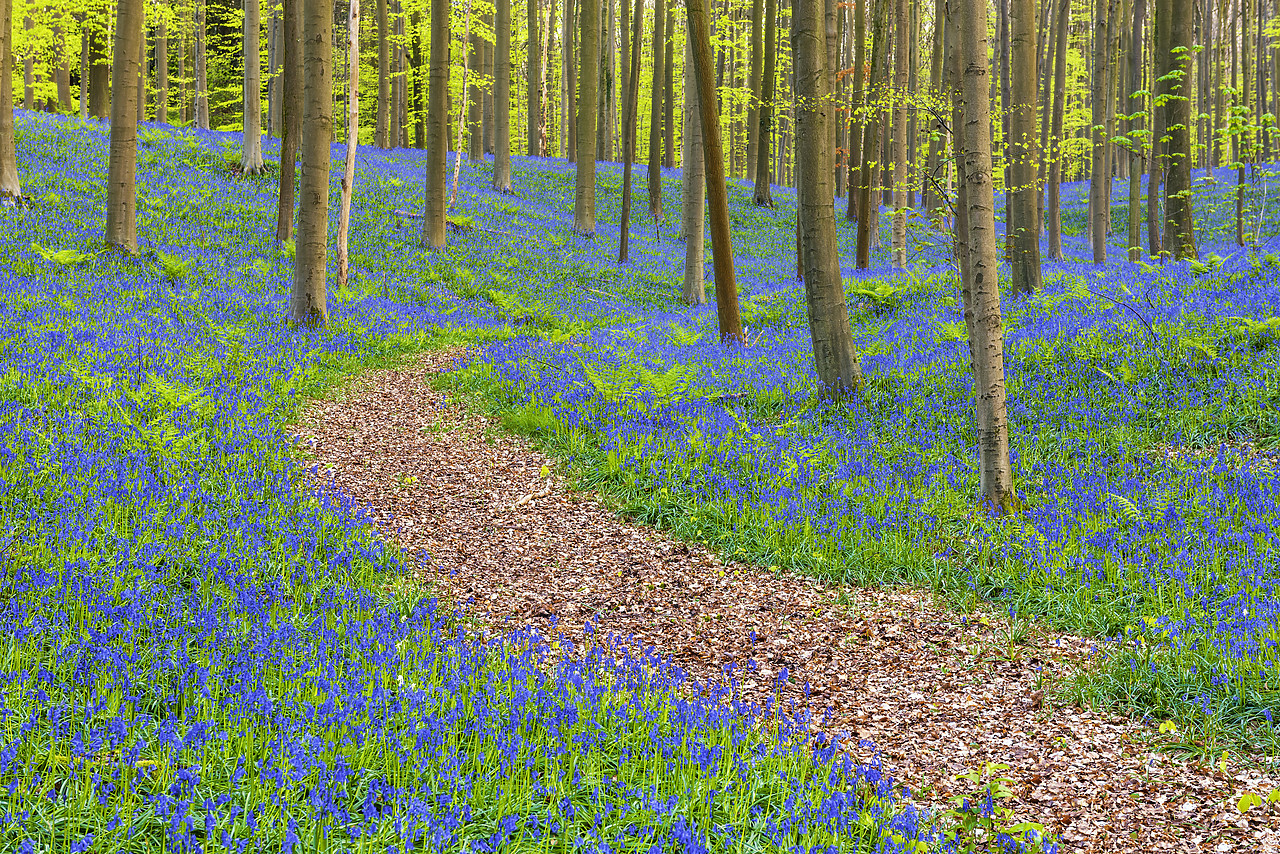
{"x":937,"y":693}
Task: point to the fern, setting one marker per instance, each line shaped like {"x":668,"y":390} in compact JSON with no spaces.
{"x":952,"y":332}
{"x":1128,"y":509}
{"x":65,"y":258}
{"x":682,"y":337}
{"x":175,"y":268}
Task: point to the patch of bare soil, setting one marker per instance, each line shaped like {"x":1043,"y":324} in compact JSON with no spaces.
{"x":938,"y":693}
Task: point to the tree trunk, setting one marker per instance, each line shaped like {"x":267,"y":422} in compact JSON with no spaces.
{"x":933,"y":200}
{"x":99,"y":71}
{"x":668,"y":101}
{"x":631,"y":65}
{"x":764,"y":134}
{"x":1159,"y":89}
{"x":141,"y":84}
{"x":28,"y":62}
{"x":251,"y":157}
{"x":1179,"y":226}
{"x":10,"y":188}
{"x":753,"y":104}
{"x":1244,"y":142}
{"x":62,"y":67}
{"x":122,"y":190}
{"x":987,"y":338}
{"x":202,"y":69}
{"x":473,"y":95}
{"x":584,"y":195}
{"x":1098,"y":161}
{"x":353,"y":137}
{"x":693,"y":178}
{"x":383,"y":127}
{"x":869,"y":221}
{"x":487,"y":112}
{"x":273,"y":74}
{"x":1023,"y":227}
{"x":433,"y":212}
{"x":533,"y":95}
{"x":857,"y":116}
{"x":502,"y":100}
{"x":571,"y":95}
{"x":307,"y":306}
{"x":834,"y":355}
{"x":901,"y":69}
{"x":713,"y":158}
{"x":544,"y":129}
{"x":655,"y":115}
{"x":162,"y":72}
{"x":1137,"y":110}
{"x":290,"y":115}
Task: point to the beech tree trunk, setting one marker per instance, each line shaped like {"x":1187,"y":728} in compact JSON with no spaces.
{"x":290,"y":115}
{"x":713,"y":156}
{"x":10,"y":188}
{"x":122,"y":162}
{"x":434,"y":221}
{"x":655,"y":114}
{"x":1135,"y":147}
{"x":353,"y":138}
{"x":693,"y":177}
{"x":502,"y":99}
{"x":474,"y":99}
{"x":668,"y":100}
{"x":764,"y":134}
{"x":308,"y":303}
{"x":584,"y":195}
{"x":900,"y":109}
{"x":753,"y":82}
{"x":534,"y":93}
{"x":933,"y":200}
{"x":834,"y":355}
{"x":1023,"y":228}
{"x":1179,"y":226}
{"x":1054,"y":191}
{"x":162,"y":72}
{"x":383,"y":127}
{"x":1098,"y":161}
{"x":202,"y":69}
{"x":251,"y":157}
{"x":631,"y":106}
{"x":857,"y":114}
{"x":987,"y":339}
{"x":868,"y":197}
{"x":1159,"y":91}
{"x":99,"y":71}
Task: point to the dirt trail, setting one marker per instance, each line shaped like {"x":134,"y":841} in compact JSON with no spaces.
{"x":938,"y":694}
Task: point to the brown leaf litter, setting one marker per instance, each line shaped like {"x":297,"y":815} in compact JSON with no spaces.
{"x":937,"y":693}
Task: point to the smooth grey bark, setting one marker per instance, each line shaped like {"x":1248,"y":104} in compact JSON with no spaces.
{"x":1135,"y":129}
{"x":1053,"y":202}
{"x":99,"y":70}
{"x":28,"y":64}
{"x":835,"y":357}
{"x":290,"y":115}
{"x":987,"y":337}
{"x":1023,"y":228}
{"x":434,"y":222}
{"x":933,"y":200}
{"x":122,"y":160}
{"x":10,"y":188}
{"x":1179,"y":226}
{"x":762,"y":197}
{"x":307,"y":305}
{"x":533,"y":95}
{"x":692,"y":178}
{"x":502,"y":99}
{"x":251,"y":157}
{"x":382,"y":128}
{"x":668,"y":100}
{"x":868,"y":198}
{"x":856,"y":111}
{"x":631,"y":65}
{"x":655,"y":114}
{"x":353,"y":138}
{"x":899,"y":233}
{"x":474,"y":97}
{"x":753,"y":83}
{"x":202,"y":69}
{"x":584,"y":193}
{"x":1098,"y":134}
{"x":1159,"y":91}
{"x":727,"y":313}
{"x":162,"y":72}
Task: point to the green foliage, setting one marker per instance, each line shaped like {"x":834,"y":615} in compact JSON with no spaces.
{"x":64,"y":258}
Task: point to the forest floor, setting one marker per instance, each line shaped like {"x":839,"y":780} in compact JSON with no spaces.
{"x":497,"y":531}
